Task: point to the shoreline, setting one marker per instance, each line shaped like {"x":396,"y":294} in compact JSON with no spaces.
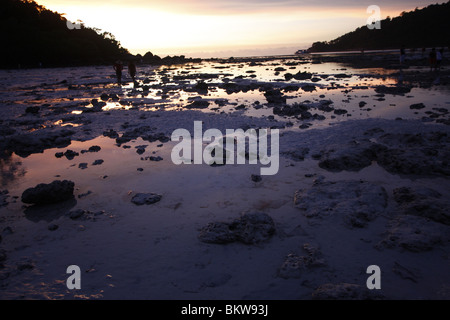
{"x":363,"y":180}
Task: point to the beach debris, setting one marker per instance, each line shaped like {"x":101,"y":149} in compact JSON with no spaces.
{"x":82,"y":195}
{"x":69,"y":154}
{"x":353,"y":156}
{"x":37,"y":141}
{"x":420,"y":153}
{"x":302,"y":76}
{"x":414,"y":233}
{"x":340,"y":111}
{"x":92,"y":149}
{"x":198,"y":104}
{"x":423,"y":202}
{"x":145,"y":132}
{"x":256,"y":177}
{"x":295,"y":109}
{"x":309,"y":88}
{"x":356,"y":202}
{"x":250,"y":228}
{"x":111,"y":134}
{"x":395,"y":90}
{"x":25,"y":264}
{"x":140,"y":150}
{"x":54,"y":192}
{"x":274,"y":96}
{"x":3,"y":256}
{"x":145,"y":198}
{"x":32,"y":110}
{"x":97,"y":162}
{"x":96,"y":106}
{"x":342,"y":75}
{"x":83,"y":165}
{"x":305,"y":125}
{"x":417,"y":106}
{"x":294,"y":266}
{"x":201,"y":86}
{"x":76,"y":214}
{"x":4,"y":195}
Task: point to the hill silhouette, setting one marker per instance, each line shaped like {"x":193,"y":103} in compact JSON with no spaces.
{"x":427,"y":27}
{"x":33,"y":36}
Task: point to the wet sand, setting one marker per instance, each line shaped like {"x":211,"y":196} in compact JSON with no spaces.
{"x":363,"y":180}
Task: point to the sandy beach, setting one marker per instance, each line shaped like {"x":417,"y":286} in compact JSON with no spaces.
{"x":363,"y":180}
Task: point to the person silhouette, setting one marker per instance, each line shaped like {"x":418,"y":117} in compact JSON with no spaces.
{"x":118,"y":67}
{"x":432,"y":57}
{"x":132,"y":70}
{"x":402,"y":56}
{"x":439,"y":56}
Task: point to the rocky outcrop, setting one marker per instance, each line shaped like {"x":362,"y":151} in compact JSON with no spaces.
{"x":357,"y":202}
{"x":250,"y":228}
{"x":54,"y":192}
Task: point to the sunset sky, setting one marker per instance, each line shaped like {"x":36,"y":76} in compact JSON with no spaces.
{"x":205,"y":28}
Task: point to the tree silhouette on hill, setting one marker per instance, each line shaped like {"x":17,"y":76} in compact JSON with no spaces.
{"x":427,"y":27}
{"x":32,"y":35}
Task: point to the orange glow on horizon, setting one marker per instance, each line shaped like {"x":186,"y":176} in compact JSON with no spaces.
{"x":157,"y":27}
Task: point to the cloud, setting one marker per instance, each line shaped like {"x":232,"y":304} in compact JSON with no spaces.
{"x":237,"y":7}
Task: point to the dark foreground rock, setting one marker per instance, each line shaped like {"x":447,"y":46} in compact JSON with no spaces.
{"x":357,"y":202}
{"x":145,"y":198}
{"x":250,"y":228}
{"x":38,"y":141}
{"x":145,"y":132}
{"x":54,"y":192}
{"x":417,"y":106}
{"x":290,"y":110}
{"x":414,"y":233}
{"x":353,"y":156}
{"x":420,"y":154}
{"x":395,"y":90}
{"x":294,"y":266}
{"x":198,"y":104}
{"x":275,"y":96}
{"x":423,"y":202}
{"x":4,"y":195}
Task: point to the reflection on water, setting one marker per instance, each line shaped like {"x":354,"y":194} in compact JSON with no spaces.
{"x":10,"y":168}
{"x":175,"y":87}
{"x":49,"y":212}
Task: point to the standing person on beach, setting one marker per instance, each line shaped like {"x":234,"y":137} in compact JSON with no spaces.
{"x":118,"y":67}
{"x":432,"y":57}
{"x":402,"y":55}
{"x":439,"y":55}
{"x":132,"y":70}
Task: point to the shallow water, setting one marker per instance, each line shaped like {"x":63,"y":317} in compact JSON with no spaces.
{"x":153,"y":251}
{"x":171,"y":88}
